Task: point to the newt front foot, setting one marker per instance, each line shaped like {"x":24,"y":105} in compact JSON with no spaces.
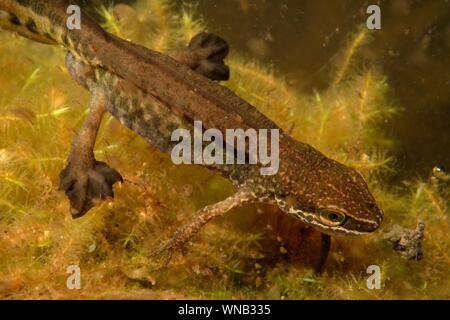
{"x":87,"y":187}
{"x":205,"y":54}
{"x":167,"y":248}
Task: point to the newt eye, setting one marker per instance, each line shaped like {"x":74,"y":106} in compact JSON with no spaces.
{"x":331,"y":217}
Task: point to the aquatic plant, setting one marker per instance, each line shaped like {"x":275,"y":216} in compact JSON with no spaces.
{"x":254,"y":252}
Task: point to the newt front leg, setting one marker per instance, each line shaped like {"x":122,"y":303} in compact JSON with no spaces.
{"x":187,"y":231}
{"x":203,"y":216}
{"x":325,"y":242}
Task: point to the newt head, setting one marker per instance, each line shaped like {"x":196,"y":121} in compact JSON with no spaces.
{"x":331,"y":197}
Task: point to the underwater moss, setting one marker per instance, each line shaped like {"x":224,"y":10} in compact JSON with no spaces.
{"x":254,"y":252}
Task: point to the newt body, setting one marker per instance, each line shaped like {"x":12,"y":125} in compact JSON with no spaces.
{"x":153,"y":94}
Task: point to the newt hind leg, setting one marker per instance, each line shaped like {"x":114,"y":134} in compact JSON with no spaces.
{"x":85,"y":180}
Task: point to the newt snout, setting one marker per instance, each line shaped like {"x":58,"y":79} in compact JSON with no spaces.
{"x":333,"y":198}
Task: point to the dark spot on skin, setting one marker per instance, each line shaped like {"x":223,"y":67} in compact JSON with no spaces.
{"x":31,"y":26}
{"x":14,"y":19}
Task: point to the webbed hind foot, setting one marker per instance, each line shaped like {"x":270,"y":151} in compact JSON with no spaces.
{"x":86,"y":187}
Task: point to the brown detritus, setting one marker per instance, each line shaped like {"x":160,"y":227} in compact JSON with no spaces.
{"x":140,"y":275}
{"x":407,"y":242}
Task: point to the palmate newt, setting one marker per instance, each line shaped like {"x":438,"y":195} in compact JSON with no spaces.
{"x":154,"y":93}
